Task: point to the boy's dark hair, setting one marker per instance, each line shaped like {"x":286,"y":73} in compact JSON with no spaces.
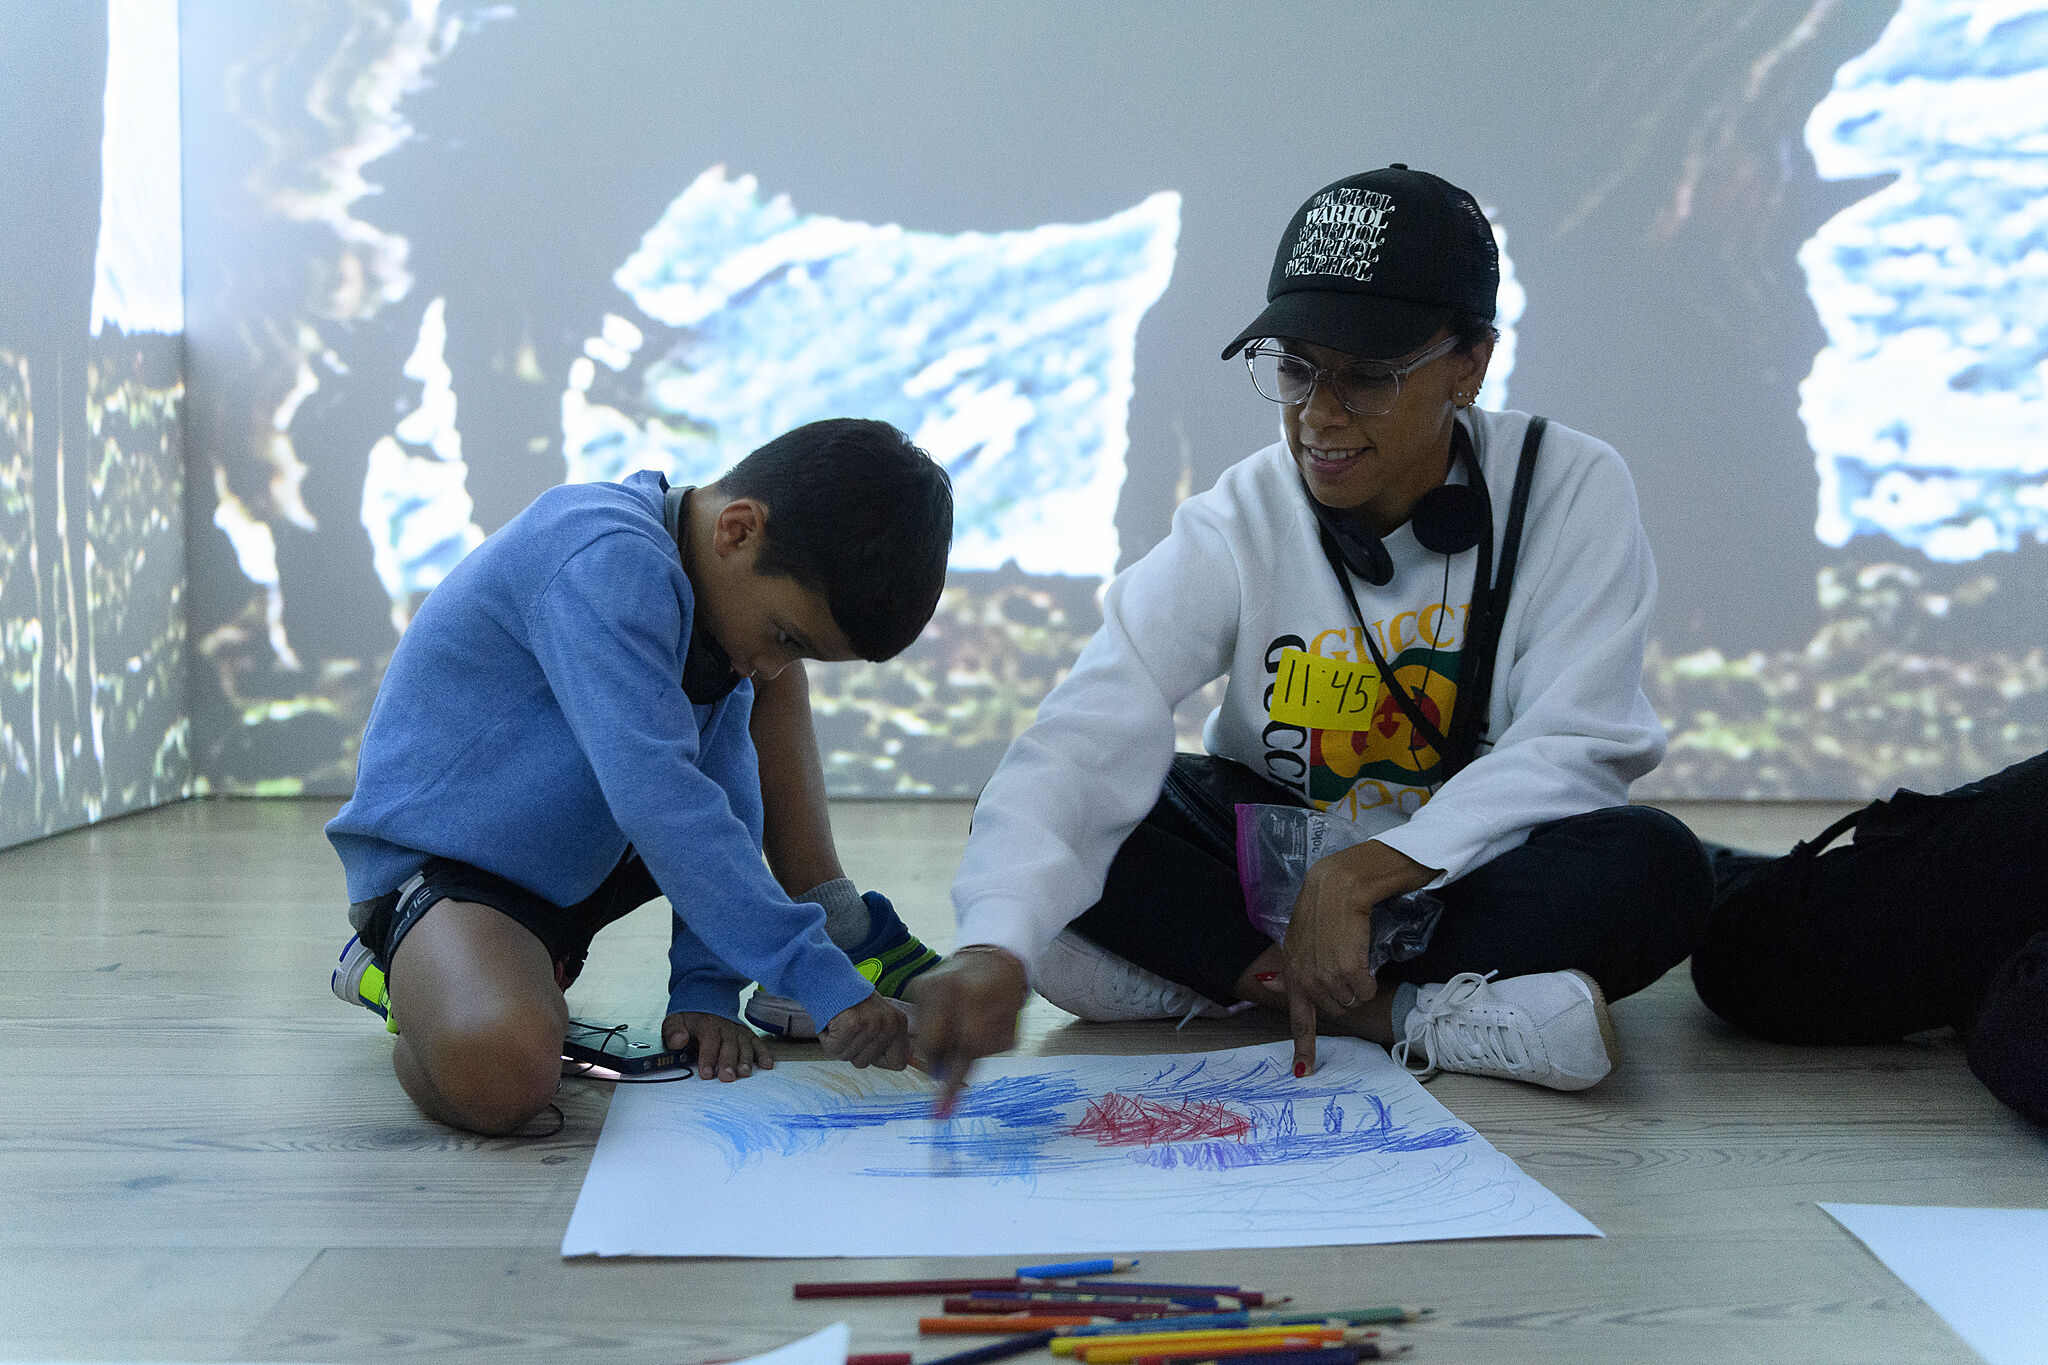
{"x":858,"y":513}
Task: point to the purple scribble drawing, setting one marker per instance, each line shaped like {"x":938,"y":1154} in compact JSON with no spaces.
{"x":1192,"y":1116}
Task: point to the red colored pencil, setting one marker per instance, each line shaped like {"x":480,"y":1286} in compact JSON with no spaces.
{"x":970,"y":1324}
{"x":861,"y":1289}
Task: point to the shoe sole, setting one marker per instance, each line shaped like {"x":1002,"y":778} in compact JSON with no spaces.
{"x":1607,"y":1038}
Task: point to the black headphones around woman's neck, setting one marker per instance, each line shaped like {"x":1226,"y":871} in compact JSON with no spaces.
{"x":1448,"y":520}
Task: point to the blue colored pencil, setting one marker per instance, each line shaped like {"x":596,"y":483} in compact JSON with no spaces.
{"x":1063,"y":1270}
{"x":1023,"y":1343}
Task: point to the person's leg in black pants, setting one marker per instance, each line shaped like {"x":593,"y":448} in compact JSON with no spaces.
{"x":2008,"y":1041}
{"x":1617,"y":894}
{"x":1172,"y":902}
{"x":1900,"y":932}
{"x":1937,"y":915}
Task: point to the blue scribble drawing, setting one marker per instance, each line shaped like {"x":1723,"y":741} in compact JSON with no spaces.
{"x":1926,"y":411}
{"x":1188,"y":1115}
{"x":1007,"y":355}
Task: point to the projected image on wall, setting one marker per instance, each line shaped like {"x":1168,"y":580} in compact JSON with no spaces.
{"x":1928,"y":424}
{"x":444,"y":256}
{"x":92,"y":660}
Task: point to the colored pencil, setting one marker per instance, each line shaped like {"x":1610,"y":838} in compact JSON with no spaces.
{"x":1169,"y":1334}
{"x":852,"y":1289}
{"x":984,"y":1324}
{"x":1023,"y":1343}
{"x":861,"y":1289}
{"x":1215,"y":1303}
{"x":1250,"y":1298}
{"x":879,"y":1358}
{"x":1116,"y":1310}
{"x":1327,"y":1355}
{"x":1116,"y":1350}
{"x":1266,"y":1317}
{"x":1174,"y":1337}
{"x":1067,"y":1270}
{"x":1300,"y":1339}
{"x":1321,"y":1351}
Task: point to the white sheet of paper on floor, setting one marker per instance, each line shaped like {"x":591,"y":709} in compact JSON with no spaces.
{"x":1984,"y":1270}
{"x":1051,"y":1155}
{"x":824,"y":1347}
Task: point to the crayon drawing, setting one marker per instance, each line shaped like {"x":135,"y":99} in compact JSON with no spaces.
{"x":1056,"y":1154}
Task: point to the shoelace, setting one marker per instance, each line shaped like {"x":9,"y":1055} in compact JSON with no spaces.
{"x":1448,"y":1042}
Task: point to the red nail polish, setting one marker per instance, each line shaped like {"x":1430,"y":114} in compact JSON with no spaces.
{"x":1268,"y":977}
{"x":1300,"y":1070}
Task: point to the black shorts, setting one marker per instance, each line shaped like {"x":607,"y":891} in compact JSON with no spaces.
{"x":564,"y":931}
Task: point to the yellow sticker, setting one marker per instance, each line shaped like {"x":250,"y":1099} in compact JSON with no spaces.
{"x":1324,"y":694}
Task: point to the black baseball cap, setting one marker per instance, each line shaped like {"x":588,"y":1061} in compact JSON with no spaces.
{"x":1374,"y":264}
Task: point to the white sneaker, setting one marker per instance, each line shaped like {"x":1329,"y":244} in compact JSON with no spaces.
{"x":1086,"y":979}
{"x":1550,"y":1029}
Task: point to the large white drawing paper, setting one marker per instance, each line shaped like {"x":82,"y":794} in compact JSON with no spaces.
{"x":1984,"y":1270}
{"x":1051,"y":1155}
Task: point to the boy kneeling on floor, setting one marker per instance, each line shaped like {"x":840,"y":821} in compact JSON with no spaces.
{"x":605,"y":703}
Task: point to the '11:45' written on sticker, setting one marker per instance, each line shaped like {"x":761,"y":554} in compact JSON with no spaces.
{"x":1323,"y":694}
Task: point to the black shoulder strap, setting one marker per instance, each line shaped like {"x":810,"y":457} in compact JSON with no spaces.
{"x":1421,"y":723}
{"x":1461,"y":446}
{"x":1489,"y":610}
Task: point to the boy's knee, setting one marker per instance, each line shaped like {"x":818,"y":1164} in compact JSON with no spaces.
{"x":495,"y":1073}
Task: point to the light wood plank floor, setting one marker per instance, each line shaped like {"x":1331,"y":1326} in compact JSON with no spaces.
{"x":204,"y":1156}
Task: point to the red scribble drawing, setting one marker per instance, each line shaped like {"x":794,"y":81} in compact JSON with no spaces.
{"x":1130,"y":1121}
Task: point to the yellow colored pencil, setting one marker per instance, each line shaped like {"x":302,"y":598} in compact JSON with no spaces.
{"x":1156,"y":1343}
{"x":1123,"y":1355}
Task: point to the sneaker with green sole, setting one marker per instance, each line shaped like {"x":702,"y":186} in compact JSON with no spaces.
{"x":891,"y":957}
{"x":358,"y":980}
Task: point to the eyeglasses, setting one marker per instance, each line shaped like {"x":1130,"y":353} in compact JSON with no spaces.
{"x":1366,"y":387}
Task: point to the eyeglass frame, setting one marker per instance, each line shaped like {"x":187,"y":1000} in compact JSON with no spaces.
{"x":1320,"y":373}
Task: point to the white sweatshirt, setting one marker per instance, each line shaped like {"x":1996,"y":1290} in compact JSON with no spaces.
{"x":1238,"y":583}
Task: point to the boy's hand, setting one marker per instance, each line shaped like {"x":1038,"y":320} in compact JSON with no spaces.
{"x":966,"y":1010}
{"x":872,"y":1033}
{"x":726,"y":1049}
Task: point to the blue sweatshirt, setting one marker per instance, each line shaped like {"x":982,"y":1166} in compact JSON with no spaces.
{"x":533,"y":723}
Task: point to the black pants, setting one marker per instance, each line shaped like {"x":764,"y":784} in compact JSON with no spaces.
{"x":1936,"y":915}
{"x":1617,"y":893}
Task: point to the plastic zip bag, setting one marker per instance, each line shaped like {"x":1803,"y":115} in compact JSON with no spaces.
{"x":1277,"y":845}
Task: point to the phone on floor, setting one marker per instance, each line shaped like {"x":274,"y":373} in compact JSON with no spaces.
{"x":613,"y":1054}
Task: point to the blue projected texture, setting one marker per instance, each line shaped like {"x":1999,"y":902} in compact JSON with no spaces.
{"x":1007,"y":355}
{"x":1926,"y":410}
